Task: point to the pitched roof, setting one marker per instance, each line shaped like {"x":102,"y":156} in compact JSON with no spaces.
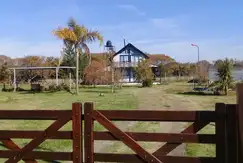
{"x":129,"y":45}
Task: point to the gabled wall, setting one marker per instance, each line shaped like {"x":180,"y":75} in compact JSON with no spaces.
{"x":133,"y":55}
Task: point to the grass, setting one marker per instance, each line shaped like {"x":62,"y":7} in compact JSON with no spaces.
{"x":201,"y":102}
{"x":122,"y":99}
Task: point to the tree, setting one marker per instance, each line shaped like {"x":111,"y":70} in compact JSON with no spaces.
{"x":31,"y":61}
{"x":203,"y":70}
{"x":224,"y":72}
{"x":4,"y":73}
{"x":94,"y":73}
{"x":76,"y":38}
{"x":144,"y":73}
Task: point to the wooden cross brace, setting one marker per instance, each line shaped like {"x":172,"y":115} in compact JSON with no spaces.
{"x":50,"y":131}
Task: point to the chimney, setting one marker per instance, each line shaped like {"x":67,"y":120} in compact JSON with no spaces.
{"x":124,"y":44}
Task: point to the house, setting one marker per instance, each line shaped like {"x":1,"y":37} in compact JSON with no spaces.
{"x":127,"y":58}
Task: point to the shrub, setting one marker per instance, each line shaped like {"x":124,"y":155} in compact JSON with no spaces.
{"x":56,"y":88}
{"x":147,"y":83}
{"x":144,"y":73}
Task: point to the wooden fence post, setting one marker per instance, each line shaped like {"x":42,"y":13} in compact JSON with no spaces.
{"x":88,"y":133}
{"x":77,"y":132}
{"x":231,"y":134}
{"x":220,"y":127}
{"x":239,"y":91}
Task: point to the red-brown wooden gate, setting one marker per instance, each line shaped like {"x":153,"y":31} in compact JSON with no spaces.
{"x":225,"y":137}
{"x":26,"y":153}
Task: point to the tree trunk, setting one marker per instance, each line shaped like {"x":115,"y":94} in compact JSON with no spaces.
{"x":226,"y":90}
{"x":160,"y":77}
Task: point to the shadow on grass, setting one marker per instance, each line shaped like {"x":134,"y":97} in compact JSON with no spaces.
{"x":198,"y":94}
{"x":42,"y":92}
{"x":97,"y":91}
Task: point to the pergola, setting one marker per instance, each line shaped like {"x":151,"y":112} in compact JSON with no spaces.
{"x":37,"y":68}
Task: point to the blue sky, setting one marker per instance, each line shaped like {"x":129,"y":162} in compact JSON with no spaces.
{"x":156,"y":26}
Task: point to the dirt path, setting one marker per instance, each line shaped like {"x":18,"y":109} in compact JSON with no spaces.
{"x":151,"y":99}
{"x":158,"y":99}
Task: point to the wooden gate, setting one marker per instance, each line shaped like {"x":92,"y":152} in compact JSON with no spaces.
{"x":224,"y":138}
{"x":26,"y":153}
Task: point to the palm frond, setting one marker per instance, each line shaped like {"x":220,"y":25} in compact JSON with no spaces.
{"x":65,"y":34}
{"x":85,"y":48}
{"x":72,"y":24}
{"x":92,"y":36}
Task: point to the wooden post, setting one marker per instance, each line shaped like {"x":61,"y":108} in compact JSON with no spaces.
{"x":88,"y":133}
{"x":70,"y":81}
{"x":56,"y":76}
{"x":14,"y":82}
{"x":240,"y":120}
{"x":220,"y":128}
{"x":231,"y":134}
{"x":77,"y":132}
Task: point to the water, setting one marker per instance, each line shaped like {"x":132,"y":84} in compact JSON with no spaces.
{"x":237,"y":75}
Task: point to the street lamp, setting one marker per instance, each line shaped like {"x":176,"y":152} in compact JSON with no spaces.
{"x":197,"y":51}
{"x":197,"y":61}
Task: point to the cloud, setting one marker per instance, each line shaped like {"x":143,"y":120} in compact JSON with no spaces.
{"x":15,"y":49}
{"x":164,"y":22}
{"x":132,"y":8}
{"x":153,"y":28}
{"x":181,"y":50}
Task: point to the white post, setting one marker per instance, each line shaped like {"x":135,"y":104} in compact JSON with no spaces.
{"x":56,"y":76}
{"x":14,"y":82}
{"x":77,"y":71}
{"x":112,"y":78}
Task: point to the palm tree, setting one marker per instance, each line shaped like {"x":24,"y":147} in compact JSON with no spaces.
{"x":224,"y":69}
{"x":77,"y":37}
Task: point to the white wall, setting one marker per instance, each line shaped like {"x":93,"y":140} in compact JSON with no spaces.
{"x":117,"y":57}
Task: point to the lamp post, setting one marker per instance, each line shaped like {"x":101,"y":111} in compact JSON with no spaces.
{"x":197,"y":61}
{"x":197,"y":51}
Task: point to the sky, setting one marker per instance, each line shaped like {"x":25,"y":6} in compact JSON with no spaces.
{"x":156,"y":26}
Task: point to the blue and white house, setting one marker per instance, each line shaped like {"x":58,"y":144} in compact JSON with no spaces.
{"x":126,"y":59}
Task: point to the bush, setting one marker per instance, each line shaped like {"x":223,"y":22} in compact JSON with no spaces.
{"x":55,"y":88}
{"x":144,"y":73}
{"x":147,"y":83}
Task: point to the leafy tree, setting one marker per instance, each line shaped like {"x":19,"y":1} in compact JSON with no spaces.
{"x":4,"y":73}
{"x":144,"y":73}
{"x":94,"y":73}
{"x":224,"y":72}
{"x":30,"y":75}
{"x":203,"y":70}
{"x":76,"y":38}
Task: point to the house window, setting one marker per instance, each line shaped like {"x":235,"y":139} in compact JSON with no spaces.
{"x":123,"y":58}
{"x":135,"y":58}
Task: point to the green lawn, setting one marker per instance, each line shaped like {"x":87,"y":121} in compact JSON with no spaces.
{"x":201,"y":102}
{"x":122,"y":99}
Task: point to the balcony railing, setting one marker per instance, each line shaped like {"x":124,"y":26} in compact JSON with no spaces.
{"x":125,"y":64}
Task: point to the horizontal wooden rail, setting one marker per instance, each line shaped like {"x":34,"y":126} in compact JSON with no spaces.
{"x":132,"y":158}
{"x":149,"y":115}
{"x":5,"y":134}
{"x":66,"y":156}
{"x":162,"y":137}
{"x":33,"y":114}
